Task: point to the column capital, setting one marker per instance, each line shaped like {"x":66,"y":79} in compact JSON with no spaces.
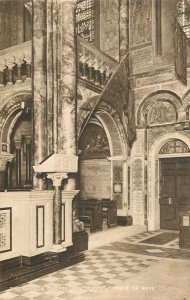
{"x":57,"y":178}
{"x":4,"y":158}
{"x":67,"y":1}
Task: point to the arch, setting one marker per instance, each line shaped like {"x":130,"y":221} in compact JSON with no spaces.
{"x":10,"y":113}
{"x":109,"y":120}
{"x":153,"y":175}
{"x":186,"y":100}
{"x":152,"y":99}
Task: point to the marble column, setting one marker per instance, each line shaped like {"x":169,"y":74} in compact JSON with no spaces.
{"x":28,"y":160}
{"x":18,"y":145}
{"x":57,"y":212}
{"x":67,"y":74}
{"x":124,"y":28}
{"x":66,"y":78}
{"x":39,"y":86}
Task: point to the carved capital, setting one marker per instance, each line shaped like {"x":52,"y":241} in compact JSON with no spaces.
{"x":4,"y":158}
{"x":57,"y":178}
{"x":67,"y":1}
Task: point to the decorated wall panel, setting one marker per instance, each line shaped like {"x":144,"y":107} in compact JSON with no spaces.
{"x":162,"y":112}
{"x":138,"y":188}
{"x":109,"y":27}
{"x":5,"y":229}
{"x":118,"y":183}
{"x":140,"y":22}
{"x":94,"y":143}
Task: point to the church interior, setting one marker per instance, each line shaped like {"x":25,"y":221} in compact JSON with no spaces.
{"x":94,"y":149}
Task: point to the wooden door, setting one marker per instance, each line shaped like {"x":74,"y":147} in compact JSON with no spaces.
{"x":174,"y":190}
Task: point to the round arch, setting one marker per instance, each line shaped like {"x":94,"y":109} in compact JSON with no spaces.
{"x":152,"y":99}
{"x":153,"y":176}
{"x":109,"y":119}
{"x":11,"y":112}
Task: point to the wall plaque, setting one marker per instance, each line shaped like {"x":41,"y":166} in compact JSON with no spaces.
{"x":5,"y":229}
{"x":95,"y":179}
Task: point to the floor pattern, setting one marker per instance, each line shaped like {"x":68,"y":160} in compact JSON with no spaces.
{"x":142,"y":238}
{"x":102,"y":270}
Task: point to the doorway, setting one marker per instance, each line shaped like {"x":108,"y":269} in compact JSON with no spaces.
{"x":174,"y":190}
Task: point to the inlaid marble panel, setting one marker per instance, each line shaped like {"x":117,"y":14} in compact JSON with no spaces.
{"x":5,"y":229}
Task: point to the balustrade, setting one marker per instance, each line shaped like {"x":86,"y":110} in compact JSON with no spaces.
{"x":94,"y":65}
{"x":15,"y":64}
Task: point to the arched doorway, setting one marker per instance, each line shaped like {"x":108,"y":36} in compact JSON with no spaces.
{"x":174,"y":183}
{"x":168,"y":181}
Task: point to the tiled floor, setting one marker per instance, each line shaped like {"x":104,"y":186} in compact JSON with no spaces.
{"x":121,"y":270}
{"x":103,"y":269}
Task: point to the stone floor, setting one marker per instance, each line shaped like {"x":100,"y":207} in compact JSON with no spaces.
{"x":128,"y":269}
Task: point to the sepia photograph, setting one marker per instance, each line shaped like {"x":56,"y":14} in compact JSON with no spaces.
{"x":95,"y":149}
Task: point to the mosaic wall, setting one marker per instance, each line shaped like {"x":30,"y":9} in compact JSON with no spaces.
{"x":94,"y":143}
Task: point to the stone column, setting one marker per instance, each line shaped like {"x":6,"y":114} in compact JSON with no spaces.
{"x":19,"y":63}
{"x":57,"y":202}
{"x":9,"y":73}
{"x":66,"y":78}
{"x":124,"y":28}
{"x":39,"y":86}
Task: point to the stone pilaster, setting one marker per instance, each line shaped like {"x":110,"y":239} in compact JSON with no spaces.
{"x":39,"y":85}
{"x":66,"y":78}
{"x":57,"y":202}
{"x":124,"y":28}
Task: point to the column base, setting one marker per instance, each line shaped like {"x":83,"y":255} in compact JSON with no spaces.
{"x":58,"y":248}
{"x":18,"y":81}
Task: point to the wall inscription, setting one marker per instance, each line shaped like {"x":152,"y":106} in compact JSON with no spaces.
{"x":95,"y":179}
